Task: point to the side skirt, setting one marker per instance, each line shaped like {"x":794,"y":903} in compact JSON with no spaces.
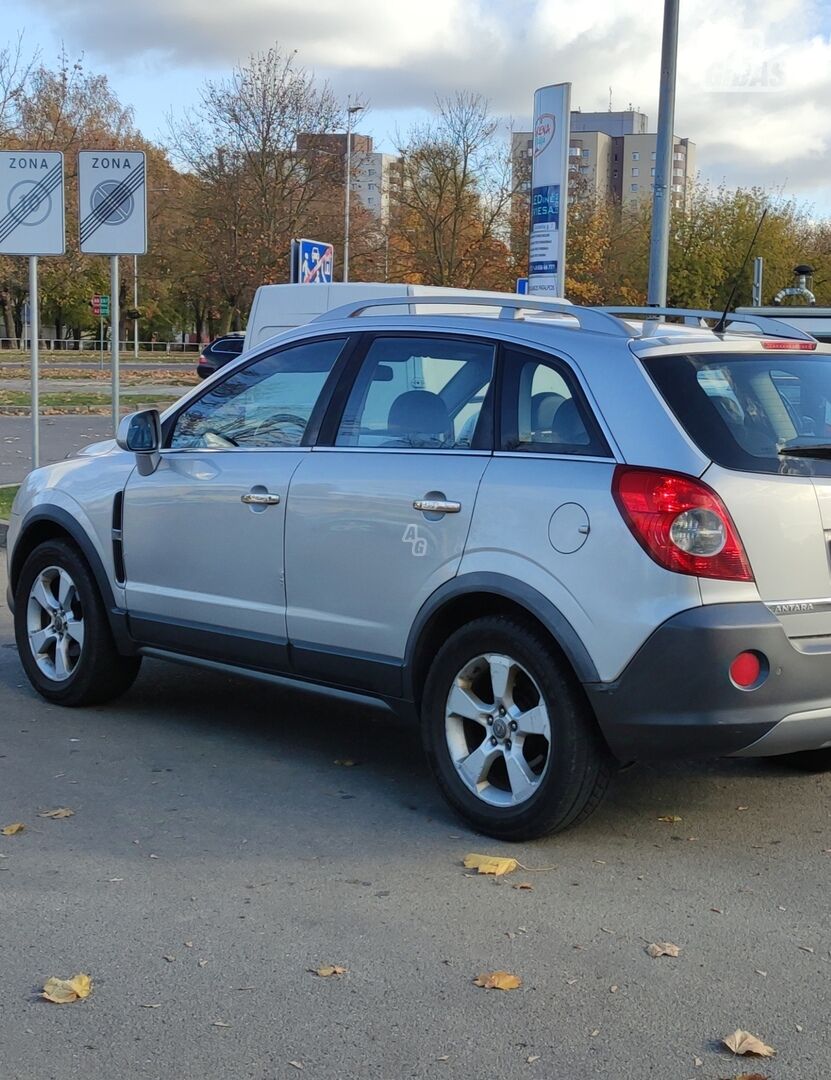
{"x":393,"y":705}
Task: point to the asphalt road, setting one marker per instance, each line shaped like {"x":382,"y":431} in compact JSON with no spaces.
{"x":218,"y":852}
{"x":59,"y":436}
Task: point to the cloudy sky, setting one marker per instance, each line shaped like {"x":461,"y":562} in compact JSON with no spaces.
{"x":754,"y":81}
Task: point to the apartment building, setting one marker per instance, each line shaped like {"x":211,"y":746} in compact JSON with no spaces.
{"x":374,"y":175}
{"x":610,"y":154}
{"x":633,"y":168}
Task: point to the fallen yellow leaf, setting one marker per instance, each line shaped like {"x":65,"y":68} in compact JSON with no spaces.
{"x":64,"y":991}
{"x":490,"y":864}
{"x":61,"y":812}
{"x":498,"y":980}
{"x":13,"y":830}
{"x":662,"y":948}
{"x":526,"y":886}
{"x":751,"y":1076}
{"x":670,"y":819}
{"x":742,"y":1042}
{"x":328,"y":969}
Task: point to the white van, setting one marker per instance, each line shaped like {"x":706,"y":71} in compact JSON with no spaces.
{"x":813,"y":320}
{"x":280,"y":307}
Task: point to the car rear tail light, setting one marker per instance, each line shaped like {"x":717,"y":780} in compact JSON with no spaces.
{"x":681,"y":523}
{"x":749,"y":670}
{"x":794,"y":346}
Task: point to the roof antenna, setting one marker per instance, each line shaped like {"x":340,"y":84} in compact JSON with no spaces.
{"x":722,"y":323}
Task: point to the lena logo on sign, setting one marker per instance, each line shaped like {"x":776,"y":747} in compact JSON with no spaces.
{"x":544,"y":130}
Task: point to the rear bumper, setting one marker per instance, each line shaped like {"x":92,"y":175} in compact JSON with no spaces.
{"x":675,"y":698}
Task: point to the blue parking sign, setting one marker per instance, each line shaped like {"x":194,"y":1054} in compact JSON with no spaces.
{"x":313,"y":262}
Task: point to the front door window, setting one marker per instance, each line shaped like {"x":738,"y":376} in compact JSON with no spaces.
{"x":266,"y":404}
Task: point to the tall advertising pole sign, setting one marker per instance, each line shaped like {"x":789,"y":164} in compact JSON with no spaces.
{"x":549,"y":191}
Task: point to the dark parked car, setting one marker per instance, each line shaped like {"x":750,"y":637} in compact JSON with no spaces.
{"x":219,"y":352}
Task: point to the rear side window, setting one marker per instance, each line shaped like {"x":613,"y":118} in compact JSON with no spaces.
{"x":744,"y":409}
{"x":543,"y":409}
{"x":230,"y":345}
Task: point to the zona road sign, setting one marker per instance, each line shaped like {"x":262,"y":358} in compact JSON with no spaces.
{"x":112,"y":191}
{"x":31,"y":203}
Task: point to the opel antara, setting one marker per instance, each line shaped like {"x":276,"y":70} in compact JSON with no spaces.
{"x":557,"y":538}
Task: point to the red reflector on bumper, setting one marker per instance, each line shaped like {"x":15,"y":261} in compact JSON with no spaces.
{"x":746,"y":670}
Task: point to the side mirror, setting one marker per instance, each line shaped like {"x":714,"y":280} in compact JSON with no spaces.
{"x":141,"y":433}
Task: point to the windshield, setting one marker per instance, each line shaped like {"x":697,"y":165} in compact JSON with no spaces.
{"x":742,"y":409}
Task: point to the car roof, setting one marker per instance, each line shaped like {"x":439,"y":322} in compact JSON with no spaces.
{"x":552,"y":323}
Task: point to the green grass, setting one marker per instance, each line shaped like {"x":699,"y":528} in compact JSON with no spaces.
{"x":175,"y":376}
{"x":7,"y":495}
{"x":70,"y":400}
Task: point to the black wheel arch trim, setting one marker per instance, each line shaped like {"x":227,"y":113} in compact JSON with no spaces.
{"x":56,"y":515}
{"x":507,"y":588}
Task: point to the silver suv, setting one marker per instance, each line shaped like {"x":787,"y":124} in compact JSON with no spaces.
{"x":559,"y":539}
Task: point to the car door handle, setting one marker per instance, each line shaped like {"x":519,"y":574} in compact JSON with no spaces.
{"x":437,"y":506}
{"x":260,"y":498}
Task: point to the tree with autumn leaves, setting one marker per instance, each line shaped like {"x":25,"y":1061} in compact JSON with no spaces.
{"x":453,"y":199}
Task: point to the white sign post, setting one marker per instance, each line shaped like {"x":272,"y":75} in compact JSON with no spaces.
{"x":549,"y":191}
{"x":112,"y":194}
{"x":32,"y":223}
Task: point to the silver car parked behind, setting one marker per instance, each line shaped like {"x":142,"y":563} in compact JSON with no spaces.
{"x":558,"y":539}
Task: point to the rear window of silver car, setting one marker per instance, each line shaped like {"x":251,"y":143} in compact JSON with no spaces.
{"x":752,"y":412}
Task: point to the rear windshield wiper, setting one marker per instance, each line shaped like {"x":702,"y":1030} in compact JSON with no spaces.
{"x":798,"y":448}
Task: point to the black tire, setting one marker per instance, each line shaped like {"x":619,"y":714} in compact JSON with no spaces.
{"x":100,"y":672}
{"x":579,"y":767}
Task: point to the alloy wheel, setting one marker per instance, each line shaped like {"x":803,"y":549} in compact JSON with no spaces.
{"x":498,"y":730}
{"x":55,"y":623}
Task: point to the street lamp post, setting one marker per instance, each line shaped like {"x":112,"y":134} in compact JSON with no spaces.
{"x":351,"y":110}
{"x":662,"y":190}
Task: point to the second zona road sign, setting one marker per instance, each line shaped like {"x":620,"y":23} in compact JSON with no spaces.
{"x":112,"y":189}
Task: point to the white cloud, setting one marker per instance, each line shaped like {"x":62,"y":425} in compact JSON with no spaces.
{"x":754,"y":77}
